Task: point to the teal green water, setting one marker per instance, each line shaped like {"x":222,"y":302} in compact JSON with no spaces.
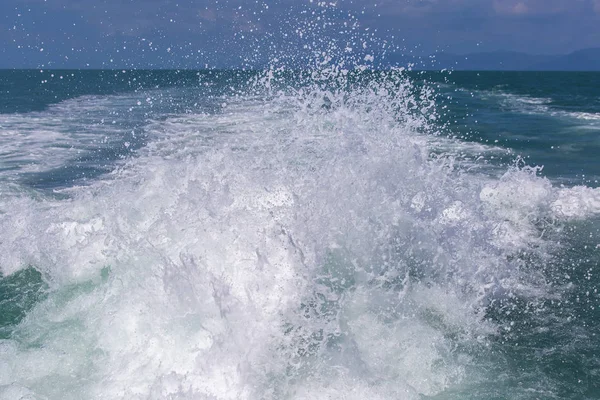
{"x":19,"y":293}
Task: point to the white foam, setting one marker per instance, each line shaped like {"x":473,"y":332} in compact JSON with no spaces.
{"x":518,"y":199}
{"x":42,"y":141}
{"x":541,"y":106}
{"x":578,"y":115}
{"x":522,"y":103}
{"x":577,"y":202}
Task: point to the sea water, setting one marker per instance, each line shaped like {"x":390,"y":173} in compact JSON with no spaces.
{"x":344,"y":234}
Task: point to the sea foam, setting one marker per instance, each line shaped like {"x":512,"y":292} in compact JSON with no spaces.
{"x":287,"y":246}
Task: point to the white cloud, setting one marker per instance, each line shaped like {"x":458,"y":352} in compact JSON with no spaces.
{"x":541,"y":7}
{"x":510,"y":7}
{"x":520,"y":8}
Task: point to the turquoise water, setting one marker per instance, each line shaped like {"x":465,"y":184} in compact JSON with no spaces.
{"x":249,"y":235}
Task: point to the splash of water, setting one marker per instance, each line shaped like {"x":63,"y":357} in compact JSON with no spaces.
{"x":300,"y":243}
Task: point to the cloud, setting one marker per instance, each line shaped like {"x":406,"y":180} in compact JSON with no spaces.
{"x":542,"y":7}
{"x":510,"y":7}
{"x":418,"y":8}
{"x":426,"y":7}
{"x":520,"y":8}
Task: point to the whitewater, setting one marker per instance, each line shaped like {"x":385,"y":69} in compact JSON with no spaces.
{"x":301,"y":236}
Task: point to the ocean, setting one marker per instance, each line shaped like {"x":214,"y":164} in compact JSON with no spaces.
{"x":299,"y":235}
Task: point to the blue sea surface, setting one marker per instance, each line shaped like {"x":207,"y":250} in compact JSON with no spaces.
{"x":244,"y":235}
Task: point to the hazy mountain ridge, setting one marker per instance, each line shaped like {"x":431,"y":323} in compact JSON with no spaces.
{"x":581,"y":60}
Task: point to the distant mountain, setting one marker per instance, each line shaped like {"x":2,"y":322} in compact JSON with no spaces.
{"x":581,"y":60}
{"x":499,"y":60}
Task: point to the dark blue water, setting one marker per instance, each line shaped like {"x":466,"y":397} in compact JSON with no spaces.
{"x":550,"y":118}
{"x":224,"y":234}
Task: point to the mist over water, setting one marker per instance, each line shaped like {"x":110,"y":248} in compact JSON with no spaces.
{"x":316,"y":234}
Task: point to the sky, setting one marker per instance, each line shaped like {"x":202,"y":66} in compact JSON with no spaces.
{"x":222,"y":33}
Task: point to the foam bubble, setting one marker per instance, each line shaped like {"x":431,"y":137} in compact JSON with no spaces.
{"x":577,"y":203}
